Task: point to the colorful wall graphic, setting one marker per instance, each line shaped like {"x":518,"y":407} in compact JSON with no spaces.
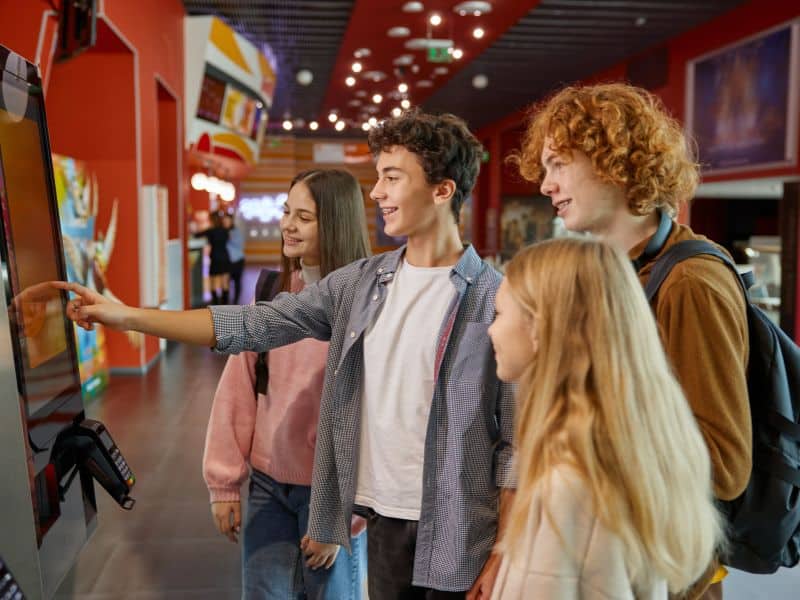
{"x":87,"y":251}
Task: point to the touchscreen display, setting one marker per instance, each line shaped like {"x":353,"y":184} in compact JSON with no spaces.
{"x":31,"y":251}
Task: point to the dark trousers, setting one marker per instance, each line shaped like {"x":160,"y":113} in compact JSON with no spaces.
{"x":237,"y":268}
{"x":390,"y":561}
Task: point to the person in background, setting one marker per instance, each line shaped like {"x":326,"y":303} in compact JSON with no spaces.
{"x":614,"y":164}
{"x":271,"y":433}
{"x":235,"y":247}
{"x":218,"y":271}
{"x":614,"y":498}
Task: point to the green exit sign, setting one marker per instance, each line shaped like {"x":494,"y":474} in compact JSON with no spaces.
{"x":439,"y":55}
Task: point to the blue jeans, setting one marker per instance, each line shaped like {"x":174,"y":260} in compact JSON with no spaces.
{"x":273,"y":567}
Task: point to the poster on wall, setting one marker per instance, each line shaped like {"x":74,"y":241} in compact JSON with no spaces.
{"x":741,"y":102}
{"x":524,"y":220}
{"x":87,"y":251}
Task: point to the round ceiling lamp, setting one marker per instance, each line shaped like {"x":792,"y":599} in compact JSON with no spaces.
{"x":413,"y":7}
{"x":304,"y":77}
{"x":398,"y":32}
{"x":313,"y":126}
{"x":473,"y":7}
{"x":362,"y":53}
{"x":480,"y":81}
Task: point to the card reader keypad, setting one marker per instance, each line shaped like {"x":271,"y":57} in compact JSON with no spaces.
{"x":9,"y":589}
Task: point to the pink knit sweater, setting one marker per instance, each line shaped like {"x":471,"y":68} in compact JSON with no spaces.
{"x":276,"y":433}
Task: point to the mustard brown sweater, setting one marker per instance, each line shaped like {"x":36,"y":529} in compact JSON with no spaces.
{"x":702,"y":320}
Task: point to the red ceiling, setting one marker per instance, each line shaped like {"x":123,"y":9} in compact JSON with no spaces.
{"x":369,"y":22}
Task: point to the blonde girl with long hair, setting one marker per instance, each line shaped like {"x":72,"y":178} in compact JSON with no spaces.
{"x":614,"y":492}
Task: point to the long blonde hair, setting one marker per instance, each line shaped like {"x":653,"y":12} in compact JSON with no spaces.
{"x":600,"y":397}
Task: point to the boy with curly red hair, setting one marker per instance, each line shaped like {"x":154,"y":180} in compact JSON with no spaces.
{"x":613,"y":161}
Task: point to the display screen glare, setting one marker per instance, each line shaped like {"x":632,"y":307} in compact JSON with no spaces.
{"x":31,"y":250}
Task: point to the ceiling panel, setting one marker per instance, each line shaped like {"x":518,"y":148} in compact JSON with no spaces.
{"x":530,"y":47}
{"x":560,"y":41}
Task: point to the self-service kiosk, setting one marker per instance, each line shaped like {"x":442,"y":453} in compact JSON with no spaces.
{"x":49,"y":452}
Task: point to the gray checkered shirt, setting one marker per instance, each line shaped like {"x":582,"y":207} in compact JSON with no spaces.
{"x":468,"y":452}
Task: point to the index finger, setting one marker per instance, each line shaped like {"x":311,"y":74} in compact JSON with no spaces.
{"x":73,"y":287}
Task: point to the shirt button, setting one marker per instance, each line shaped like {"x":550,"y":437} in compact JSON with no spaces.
{"x":469,"y":279}
{"x":380,"y":270}
{"x":375,"y":297}
{"x":352,"y":334}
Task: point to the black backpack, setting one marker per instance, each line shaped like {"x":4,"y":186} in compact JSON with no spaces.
{"x":267,"y":287}
{"x":764,"y":522}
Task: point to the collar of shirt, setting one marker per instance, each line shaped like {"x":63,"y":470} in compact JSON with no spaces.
{"x":468,"y":267}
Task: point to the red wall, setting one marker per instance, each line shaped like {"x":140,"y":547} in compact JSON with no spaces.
{"x":104,"y":107}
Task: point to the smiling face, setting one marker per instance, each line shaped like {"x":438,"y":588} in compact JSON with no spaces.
{"x":513,"y":335}
{"x":299,"y":225}
{"x":580,"y":197}
{"x":404,"y":196}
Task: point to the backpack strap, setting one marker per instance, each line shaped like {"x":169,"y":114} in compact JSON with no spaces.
{"x":685,"y":250}
{"x":266,"y":286}
{"x":266,"y":290}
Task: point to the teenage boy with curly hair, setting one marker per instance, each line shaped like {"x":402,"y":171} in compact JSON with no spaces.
{"x":415,"y":429}
{"x":612,"y":161}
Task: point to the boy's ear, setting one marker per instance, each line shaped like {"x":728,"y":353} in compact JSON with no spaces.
{"x":443,"y":191}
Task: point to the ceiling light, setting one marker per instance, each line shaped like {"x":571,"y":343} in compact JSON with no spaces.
{"x":478,"y":32}
{"x":405,"y":103}
{"x":396,"y":112}
{"x":287,"y":125}
{"x":339,"y":125}
{"x":458,"y":53}
{"x":372,"y":121}
{"x":365,"y":126}
{"x":476,"y":7}
{"x":425,"y":43}
{"x":362,"y":53}
{"x":377,"y":98}
{"x":415,"y":69}
{"x":199,"y":181}
{"x":441,"y":70}
{"x":350,"y":81}
{"x":304,"y":77}
{"x":640,"y":21}
{"x":313,"y":126}
{"x":403,"y":60}
{"x":361,"y":93}
{"x":375,"y":76}
{"x":402,"y":88}
{"x":299,"y":123}
{"x":396,"y":32}
{"x":354,"y":102}
{"x":413,"y":7}
{"x":356,"y":67}
{"x":435,"y":20}
{"x":333,"y":117}
{"x":424,"y":83}
{"x":480,"y":81}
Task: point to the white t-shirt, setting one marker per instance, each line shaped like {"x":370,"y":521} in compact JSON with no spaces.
{"x":399,"y":362}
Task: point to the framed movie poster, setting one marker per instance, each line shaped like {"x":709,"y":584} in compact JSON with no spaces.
{"x":742,"y":102}
{"x":524,"y":220}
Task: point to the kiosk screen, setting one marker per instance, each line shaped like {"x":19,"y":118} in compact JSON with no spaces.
{"x":31,"y":251}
